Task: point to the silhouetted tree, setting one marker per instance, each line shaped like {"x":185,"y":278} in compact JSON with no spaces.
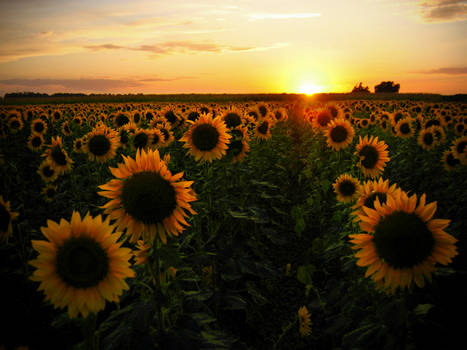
{"x":360,"y":88}
{"x":387,"y":86}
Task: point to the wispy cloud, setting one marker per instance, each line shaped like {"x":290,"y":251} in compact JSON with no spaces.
{"x":446,"y":70}
{"x":443,"y":10}
{"x":173,"y":47}
{"x":261,"y":16}
{"x":83,"y":85}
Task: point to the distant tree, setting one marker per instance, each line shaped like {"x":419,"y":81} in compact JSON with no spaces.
{"x":387,"y":86}
{"x":360,"y":88}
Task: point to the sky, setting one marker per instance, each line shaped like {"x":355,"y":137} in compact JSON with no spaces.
{"x":214,"y":46}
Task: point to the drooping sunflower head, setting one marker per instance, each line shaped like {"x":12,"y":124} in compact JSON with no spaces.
{"x":166,"y":130}
{"x":171,"y":115}
{"x":373,"y":155}
{"x":84,"y":262}
{"x":263,"y":128}
{"x":58,"y":156}
{"x":101,"y":143}
{"x":402,"y":242}
{"x":304,"y":322}
{"x":7,"y":216}
{"x":207,"y":138}
{"x":66,"y":129}
{"x":347,"y":188}
{"x":146,"y":199}
{"x":339,"y":133}
{"x":157,"y":138}
{"x":239,"y":144}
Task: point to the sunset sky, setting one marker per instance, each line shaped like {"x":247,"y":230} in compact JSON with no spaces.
{"x":232,"y":46}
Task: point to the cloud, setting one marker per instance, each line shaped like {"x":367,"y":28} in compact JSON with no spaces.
{"x":260,"y":16}
{"x":173,"y":47}
{"x":104,"y":47}
{"x":82,"y":85}
{"x":446,"y":70}
{"x":443,"y":10}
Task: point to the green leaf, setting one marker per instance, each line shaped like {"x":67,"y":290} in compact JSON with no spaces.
{"x":305,"y":273}
{"x":423,"y":309}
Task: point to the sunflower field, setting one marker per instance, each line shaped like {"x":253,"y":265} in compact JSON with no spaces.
{"x":242,"y":225}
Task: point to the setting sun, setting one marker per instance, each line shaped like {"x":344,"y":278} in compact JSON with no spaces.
{"x":310,"y":89}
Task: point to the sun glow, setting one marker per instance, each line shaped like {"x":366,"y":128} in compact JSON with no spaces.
{"x":310,"y":88}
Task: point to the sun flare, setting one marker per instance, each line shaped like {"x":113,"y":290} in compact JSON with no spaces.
{"x":310,"y":89}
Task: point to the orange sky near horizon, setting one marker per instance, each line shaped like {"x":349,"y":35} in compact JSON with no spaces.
{"x":232,"y":46}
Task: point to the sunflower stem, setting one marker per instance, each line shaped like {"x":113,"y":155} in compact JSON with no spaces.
{"x":91,"y":342}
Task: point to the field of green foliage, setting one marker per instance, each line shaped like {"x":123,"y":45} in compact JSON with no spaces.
{"x":242,"y":225}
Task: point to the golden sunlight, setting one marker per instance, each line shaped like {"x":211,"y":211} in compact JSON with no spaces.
{"x":310,"y":88}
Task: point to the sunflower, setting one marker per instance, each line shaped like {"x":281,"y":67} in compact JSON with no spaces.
{"x":142,"y":139}
{"x":459,"y":128}
{"x":238,"y":146}
{"x":81,"y":265}
{"x":449,"y":160}
{"x":38,"y":126}
{"x":372,"y":190}
{"x":165,"y":129}
{"x":347,"y":188}
{"x":339,"y":133}
{"x":136,"y":117}
{"x":263,"y":128}
{"x":47,"y":171}
{"x":170,"y":114}
{"x":15,"y":124}
{"x":459,"y":149}
{"x":101,"y":143}
{"x":403,"y":243}
{"x":439,"y":133}
{"x":192,"y":116}
{"x":56,"y":115}
{"x":404,"y":128}
{"x":49,"y":191}
{"x":304,"y":322}
{"x":280,"y":114}
{"x":427,"y":139}
{"x":373,"y":155}
{"x":121,"y":119}
{"x":77,"y":120}
{"x":232,"y":118}
{"x":207,"y":139}
{"x":58,"y":156}
{"x":141,"y":253}
{"x":78,"y":145}
{"x":146,"y":198}
{"x":6,"y":218}
{"x":35,"y":142}
{"x":157,"y":138}
{"x":321,"y":119}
